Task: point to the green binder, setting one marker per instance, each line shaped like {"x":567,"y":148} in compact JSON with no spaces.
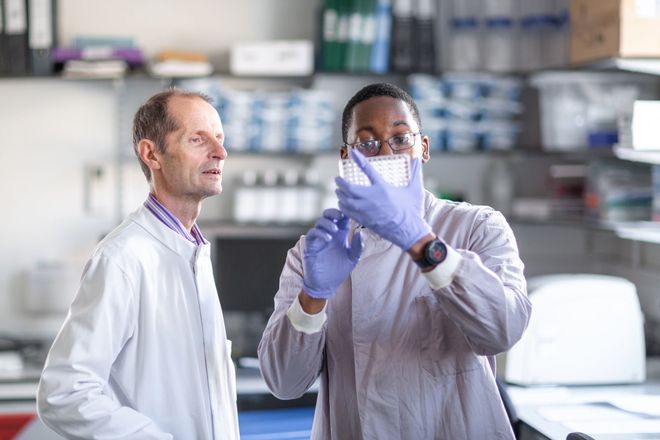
{"x":330,"y":60}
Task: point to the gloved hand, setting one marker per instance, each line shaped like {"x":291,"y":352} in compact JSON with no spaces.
{"x":328,"y":259}
{"x":394,"y":213}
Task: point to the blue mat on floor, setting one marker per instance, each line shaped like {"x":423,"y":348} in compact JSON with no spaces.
{"x":276,"y":424}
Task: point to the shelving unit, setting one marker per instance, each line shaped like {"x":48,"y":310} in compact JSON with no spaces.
{"x":649,"y":66}
{"x":123,"y":87}
{"x":648,"y":232}
{"x":518,"y":156}
{"x":642,"y":231}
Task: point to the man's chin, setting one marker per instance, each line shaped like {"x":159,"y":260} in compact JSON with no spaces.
{"x":212,"y":192}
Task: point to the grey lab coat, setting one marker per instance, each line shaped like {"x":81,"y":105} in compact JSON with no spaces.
{"x":397,"y":360}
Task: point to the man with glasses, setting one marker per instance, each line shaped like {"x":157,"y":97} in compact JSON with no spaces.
{"x":398,"y":301}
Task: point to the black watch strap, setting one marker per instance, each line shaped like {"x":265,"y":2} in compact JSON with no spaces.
{"x":433,"y":254}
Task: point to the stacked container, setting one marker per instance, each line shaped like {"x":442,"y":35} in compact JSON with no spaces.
{"x":468,"y":112}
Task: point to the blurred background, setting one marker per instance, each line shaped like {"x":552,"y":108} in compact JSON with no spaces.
{"x":545,"y":110}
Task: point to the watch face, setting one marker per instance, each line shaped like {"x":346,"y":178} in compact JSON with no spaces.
{"x":436,"y":251}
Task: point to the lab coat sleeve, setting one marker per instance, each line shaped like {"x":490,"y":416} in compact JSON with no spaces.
{"x":73,"y":398}
{"x":290,"y":360}
{"x":487,"y":299}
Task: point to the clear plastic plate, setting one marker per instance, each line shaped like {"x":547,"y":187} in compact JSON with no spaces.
{"x":395,"y":169}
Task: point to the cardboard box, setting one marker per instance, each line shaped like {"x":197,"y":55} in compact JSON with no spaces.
{"x":614,"y":28}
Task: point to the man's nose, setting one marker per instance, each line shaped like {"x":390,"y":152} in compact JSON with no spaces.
{"x":385,"y":149}
{"x":219,"y":150}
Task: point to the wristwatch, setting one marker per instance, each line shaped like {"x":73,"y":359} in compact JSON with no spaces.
{"x":433,"y":254}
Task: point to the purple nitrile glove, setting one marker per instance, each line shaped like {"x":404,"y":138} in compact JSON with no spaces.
{"x":394,"y":213}
{"x":328,"y":258}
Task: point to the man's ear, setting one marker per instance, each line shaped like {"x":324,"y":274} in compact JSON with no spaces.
{"x":147,"y":152}
{"x":426,"y":148}
{"x":343,"y":152}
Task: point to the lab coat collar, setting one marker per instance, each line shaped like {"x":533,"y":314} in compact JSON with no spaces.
{"x":171,"y":239}
{"x":429,"y":202}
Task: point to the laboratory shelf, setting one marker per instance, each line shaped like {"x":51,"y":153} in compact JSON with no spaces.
{"x":642,"y":231}
{"x":583,"y":223}
{"x":648,"y":232}
{"x":649,"y":66}
{"x":645,"y":156}
{"x":229,"y":229}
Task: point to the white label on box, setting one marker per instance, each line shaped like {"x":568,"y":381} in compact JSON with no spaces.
{"x":647,"y":8}
{"x":285,"y":57}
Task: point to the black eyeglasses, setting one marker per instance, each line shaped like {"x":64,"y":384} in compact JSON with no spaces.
{"x":397,"y":143}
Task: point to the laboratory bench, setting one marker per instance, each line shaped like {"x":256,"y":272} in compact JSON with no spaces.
{"x":613,"y":412}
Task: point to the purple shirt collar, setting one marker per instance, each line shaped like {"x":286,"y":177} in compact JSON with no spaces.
{"x":168,"y":219}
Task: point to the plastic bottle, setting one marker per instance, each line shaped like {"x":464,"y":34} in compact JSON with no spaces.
{"x":267,"y":198}
{"x":499,"y":186}
{"x":500,"y":44}
{"x":288,"y":197}
{"x":464,"y":45}
{"x":555,"y":36}
{"x":530,"y":42}
{"x":245,"y":198}
{"x":500,"y":35}
{"x":329,"y":199}
{"x":533,"y":27}
{"x":308,"y":207}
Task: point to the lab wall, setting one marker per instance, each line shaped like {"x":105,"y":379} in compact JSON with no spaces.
{"x":49,"y":135}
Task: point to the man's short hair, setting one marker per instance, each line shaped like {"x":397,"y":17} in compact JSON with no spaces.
{"x":153,"y":121}
{"x":372,"y":91}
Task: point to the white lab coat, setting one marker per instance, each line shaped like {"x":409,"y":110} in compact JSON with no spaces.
{"x":143,"y":352}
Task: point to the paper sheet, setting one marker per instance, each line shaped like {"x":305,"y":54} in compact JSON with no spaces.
{"x":619,"y":415}
{"x":585,"y":412}
{"x":639,"y":426}
{"x":648,"y":404}
{"x":549,"y":395}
